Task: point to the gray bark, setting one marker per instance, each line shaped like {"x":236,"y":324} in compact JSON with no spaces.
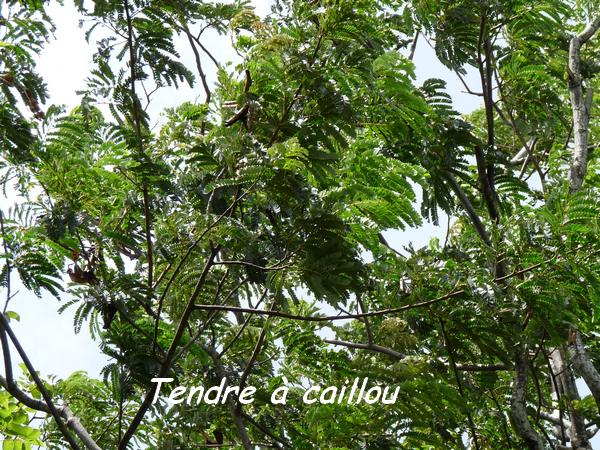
{"x":65,"y":412}
{"x":581,"y":116}
{"x":584,"y":366}
{"x":580,"y":105}
{"x":518,"y":402}
{"x":568,"y":390}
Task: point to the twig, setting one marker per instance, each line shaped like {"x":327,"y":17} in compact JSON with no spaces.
{"x":5,"y":329}
{"x":372,"y":347}
{"x":186,"y":256}
{"x":8,"y":265}
{"x":459,"y":382}
{"x":328,"y":318}
{"x":168,"y":360}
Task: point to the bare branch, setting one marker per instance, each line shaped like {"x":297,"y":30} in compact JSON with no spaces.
{"x":372,"y":347}
{"x":169,"y":358}
{"x":328,"y":318}
{"x":518,"y":402}
{"x":580,"y":106}
{"x":5,"y":330}
{"x":585,"y":367}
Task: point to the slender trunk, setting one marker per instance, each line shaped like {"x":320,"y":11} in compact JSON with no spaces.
{"x":518,"y":402}
{"x":584,"y":366}
{"x":567,"y":390}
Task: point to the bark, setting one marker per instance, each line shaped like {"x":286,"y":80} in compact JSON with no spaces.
{"x":568,"y":390}
{"x":580,"y":105}
{"x":65,"y":412}
{"x":584,"y":366}
{"x":518,"y":402}
{"x":236,"y":413}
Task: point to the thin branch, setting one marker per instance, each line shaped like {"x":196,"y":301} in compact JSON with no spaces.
{"x":466,"y":86}
{"x":363,"y":309}
{"x":168,"y":360}
{"x":8,"y":265}
{"x":236,"y":410}
{"x":255,"y":353}
{"x":208,"y":53}
{"x":485,"y":168}
{"x":384,"y":242}
{"x":265,"y":430}
{"x":274,"y":267}
{"x":452,"y":294}
{"x":470,"y":210}
{"x":149,"y":245}
{"x":459,"y":382}
{"x":328,"y":318}
{"x":286,"y":113}
{"x":481,"y":367}
{"x":243,"y":327}
{"x":5,"y":329}
{"x":208,"y":321}
{"x":372,"y":347}
{"x":137,"y":122}
{"x":187,"y":255}
{"x":393,"y":353}
{"x":205,"y":86}
{"x":413,"y":46}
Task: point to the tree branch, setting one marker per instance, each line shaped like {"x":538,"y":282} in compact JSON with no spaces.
{"x":236,"y":411}
{"x":5,"y":330}
{"x":187,"y":255}
{"x":448,"y":346}
{"x":328,"y":318}
{"x":518,"y":402}
{"x":205,"y":86}
{"x":584,"y":366}
{"x":580,"y":106}
{"x":168,"y":360}
{"x":468,"y":206}
{"x":372,"y":347}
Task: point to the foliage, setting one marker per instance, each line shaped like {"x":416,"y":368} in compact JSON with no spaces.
{"x":209,"y":247}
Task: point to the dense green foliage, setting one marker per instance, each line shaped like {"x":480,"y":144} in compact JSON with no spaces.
{"x":272,"y":195}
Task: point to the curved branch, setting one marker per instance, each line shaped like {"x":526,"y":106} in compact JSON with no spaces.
{"x":327,"y":318}
{"x":11,"y":387}
{"x":518,"y":402}
{"x":372,"y":347}
{"x":580,"y":105}
{"x":584,"y":366}
{"x":468,"y":206}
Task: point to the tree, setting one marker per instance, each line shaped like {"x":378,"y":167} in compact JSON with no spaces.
{"x":212,"y":250}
